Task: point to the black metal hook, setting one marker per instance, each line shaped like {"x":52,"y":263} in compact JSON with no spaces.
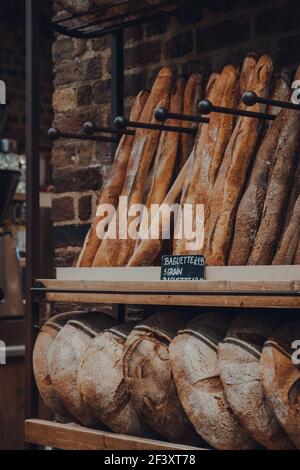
{"x":56,"y":134}
{"x":90,"y":128}
{"x":162,"y":114}
{"x":121,"y":123}
{"x":250,"y":98}
{"x":206,"y":107}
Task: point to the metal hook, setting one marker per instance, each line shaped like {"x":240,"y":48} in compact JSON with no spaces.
{"x":162,"y":114}
{"x":121,"y":123}
{"x":56,"y":134}
{"x":206,"y":107}
{"x":250,"y":98}
{"x":90,"y":128}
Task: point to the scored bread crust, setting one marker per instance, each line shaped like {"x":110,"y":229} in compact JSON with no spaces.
{"x":289,"y":241}
{"x":233,"y":171}
{"x":280,"y":378}
{"x":65,"y":355}
{"x":112,"y":189}
{"x":148,"y":375}
{"x":248,"y":67}
{"x":239,"y":362}
{"x":193,"y":355}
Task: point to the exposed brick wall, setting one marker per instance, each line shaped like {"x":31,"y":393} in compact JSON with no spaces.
{"x":12,"y":71}
{"x":205,"y":42}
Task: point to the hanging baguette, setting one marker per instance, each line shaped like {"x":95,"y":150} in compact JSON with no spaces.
{"x":178,"y":243}
{"x":165,"y":158}
{"x":46,"y":336}
{"x":238,"y":357}
{"x":117,"y":252}
{"x":247,"y":70}
{"x":65,"y":356}
{"x":233,"y":171}
{"x":289,"y":241}
{"x":297,"y":254}
{"x":251,"y":206}
{"x":113,"y":187}
{"x":192,"y":95}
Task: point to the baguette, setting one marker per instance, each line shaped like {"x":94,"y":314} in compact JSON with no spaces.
{"x":112,"y":189}
{"x":233,"y":171}
{"x":117,"y":252}
{"x":251,"y":206}
{"x":239,"y":356}
{"x":297,"y":254}
{"x":45,"y":338}
{"x":165,"y":159}
{"x":288,"y":244}
{"x":193,"y":355}
{"x":65,"y":355}
{"x":280,"y":378}
{"x":101,"y":382}
{"x":192,"y":95}
{"x":178,"y":242}
{"x":148,"y":376}
{"x":247,"y":70}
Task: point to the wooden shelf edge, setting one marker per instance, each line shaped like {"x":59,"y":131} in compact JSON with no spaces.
{"x":76,"y":437}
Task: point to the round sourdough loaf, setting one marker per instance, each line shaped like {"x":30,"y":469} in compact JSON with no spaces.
{"x":147,"y":373}
{"x":45,"y":338}
{"x":65,"y":355}
{"x":239,"y":356}
{"x":193,"y":354}
{"x":102,"y":386}
{"x":280,"y":377}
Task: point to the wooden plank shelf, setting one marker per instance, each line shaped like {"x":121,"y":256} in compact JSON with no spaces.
{"x":263,"y":294}
{"x":76,"y":437}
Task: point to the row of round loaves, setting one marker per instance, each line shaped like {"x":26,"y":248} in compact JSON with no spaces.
{"x":216,"y":379}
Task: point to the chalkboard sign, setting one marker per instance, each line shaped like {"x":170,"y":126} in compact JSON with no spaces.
{"x":182,"y":268}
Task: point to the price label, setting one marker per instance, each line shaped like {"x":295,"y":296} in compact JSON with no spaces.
{"x":183,"y":268}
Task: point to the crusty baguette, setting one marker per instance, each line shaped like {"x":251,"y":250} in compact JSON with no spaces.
{"x":178,"y":242}
{"x":46,"y":336}
{"x":101,"y":382}
{"x":193,"y":355}
{"x":165,"y":159}
{"x":238,"y":357}
{"x":295,"y":191}
{"x":148,"y":375}
{"x":65,"y":355}
{"x":116,"y":252}
{"x":113,"y":187}
{"x":281,"y":177}
{"x":251,"y":206}
{"x":209,"y":154}
{"x":233,"y":171}
{"x":280,"y":378}
{"x":192,"y":95}
{"x":288,"y":244}
{"x":247,"y":70}
{"x":296,"y":259}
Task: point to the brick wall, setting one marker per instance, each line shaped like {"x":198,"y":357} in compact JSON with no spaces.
{"x":206,"y":41}
{"x":12,"y":71}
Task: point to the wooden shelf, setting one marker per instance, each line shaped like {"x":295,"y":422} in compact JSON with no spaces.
{"x":285,"y":294}
{"x":75,"y":437}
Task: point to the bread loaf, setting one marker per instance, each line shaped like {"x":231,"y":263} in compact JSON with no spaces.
{"x":45,"y":338}
{"x":233,"y":171}
{"x":112,"y":189}
{"x":101,"y":382}
{"x":148,"y":376}
{"x":239,"y":356}
{"x":280,"y":377}
{"x":165,"y":158}
{"x":192,"y":95}
{"x":65,"y":355}
{"x":294,"y":193}
{"x":247,"y":70}
{"x":288,"y":244}
{"x":193,"y":355}
{"x":117,"y":252}
{"x":210,"y":94}
{"x":297,"y":254}
{"x":251,"y":206}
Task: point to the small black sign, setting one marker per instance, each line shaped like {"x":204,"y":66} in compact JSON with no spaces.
{"x":182,"y":268}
